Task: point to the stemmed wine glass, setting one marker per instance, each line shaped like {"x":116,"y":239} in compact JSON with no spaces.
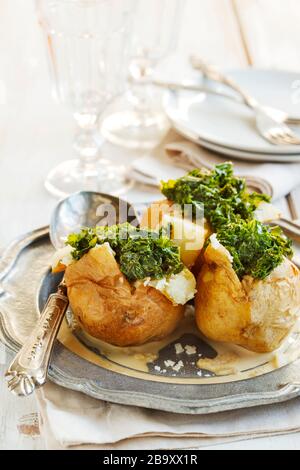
{"x":87,"y":43}
{"x":140,"y":121}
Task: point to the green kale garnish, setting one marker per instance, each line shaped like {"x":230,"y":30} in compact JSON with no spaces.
{"x":223,"y":195}
{"x":82,"y":242}
{"x":229,"y":208}
{"x":140,"y":252}
{"x":256,"y":249}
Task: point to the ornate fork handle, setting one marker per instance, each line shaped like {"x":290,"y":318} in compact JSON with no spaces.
{"x":214,"y":74}
{"x":29,"y":368}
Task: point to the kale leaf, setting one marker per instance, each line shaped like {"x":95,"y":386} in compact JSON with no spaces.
{"x":229,"y":208}
{"x":82,"y":242}
{"x":140,"y":252}
{"x":256,"y":249}
{"x":223,"y":195}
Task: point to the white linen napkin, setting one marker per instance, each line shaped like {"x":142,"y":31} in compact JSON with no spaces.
{"x":71,"y":419}
{"x":183,"y":156}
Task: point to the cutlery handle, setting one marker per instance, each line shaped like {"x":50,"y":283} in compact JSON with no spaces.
{"x":217,"y":76}
{"x":29,"y":368}
{"x":238,"y":98}
{"x":290,"y":228}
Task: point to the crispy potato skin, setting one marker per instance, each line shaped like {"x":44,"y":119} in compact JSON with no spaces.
{"x":152,"y":218}
{"x":238,"y":312}
{"x":111,"y":309}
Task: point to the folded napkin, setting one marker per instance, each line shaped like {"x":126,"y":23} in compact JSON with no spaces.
{"x":71,"y":419}
{"x":183,"y":156}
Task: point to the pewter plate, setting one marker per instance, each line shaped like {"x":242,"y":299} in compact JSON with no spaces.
{"x":141,"y":376}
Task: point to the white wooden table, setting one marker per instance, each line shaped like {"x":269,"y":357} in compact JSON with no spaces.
{"x":36,"y":134}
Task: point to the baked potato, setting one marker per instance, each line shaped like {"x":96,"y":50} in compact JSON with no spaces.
{"x":257,"y":314}
{"x":126,"y":285}
{"x":108,"y":307}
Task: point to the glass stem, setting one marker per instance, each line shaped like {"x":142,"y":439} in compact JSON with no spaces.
{"x":87,"y":144}
{"x":141,"y":90}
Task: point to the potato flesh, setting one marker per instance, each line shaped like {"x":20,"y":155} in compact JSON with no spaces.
{"x":111,"y":309}
{"x":193,"y":236}
{"x":253,"y":313}
{"x":178,"y":288}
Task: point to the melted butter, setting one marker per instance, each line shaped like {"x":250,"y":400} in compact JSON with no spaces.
{"x":236,"y":360}
{"x":138,"y":357}
{"x":223,"y":364}
{"x":232,"y":362}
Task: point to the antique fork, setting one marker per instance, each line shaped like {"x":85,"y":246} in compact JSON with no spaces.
{"x":29,"y":368}
{"x":188,"y":85}
{"x":269,"y":121}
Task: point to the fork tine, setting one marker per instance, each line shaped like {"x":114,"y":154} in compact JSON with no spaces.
{"x":291,"y":133}
{"x":282,"y":136}
{"x":276,"y":135}
{"x":293,"y":138}
{"x":286,"y":137}
{"x":282,"y":133}
{"x":278,"y":140}
{"x":290,"y":137}
{"x":274,"y":140}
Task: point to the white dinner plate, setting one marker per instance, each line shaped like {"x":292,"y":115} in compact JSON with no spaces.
{"x":231,"y":125}
{"x":235,"y":153}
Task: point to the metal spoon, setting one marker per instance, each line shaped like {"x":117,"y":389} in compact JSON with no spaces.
{"x":87,"y":209}
{"x":29,"y":368}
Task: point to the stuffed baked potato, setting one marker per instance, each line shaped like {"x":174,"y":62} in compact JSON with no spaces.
{"x":125,"y":291}
{"x":255,"y":313}
{"x":247,"y":290}
{"x":109,"y":308}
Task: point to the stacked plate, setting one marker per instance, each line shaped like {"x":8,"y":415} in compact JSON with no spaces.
{"x":227,"y":126}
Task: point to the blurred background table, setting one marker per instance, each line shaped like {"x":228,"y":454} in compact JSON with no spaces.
{"x":36,"y":133}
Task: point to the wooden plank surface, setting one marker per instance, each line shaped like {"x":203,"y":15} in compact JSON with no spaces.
{"x":271,"y":32}
{"x":209,"y":28}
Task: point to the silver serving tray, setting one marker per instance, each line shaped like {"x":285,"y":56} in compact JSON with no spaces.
{"x":25,"y":283}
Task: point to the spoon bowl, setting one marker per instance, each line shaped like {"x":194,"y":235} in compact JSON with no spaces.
{"x":87,"y":209}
